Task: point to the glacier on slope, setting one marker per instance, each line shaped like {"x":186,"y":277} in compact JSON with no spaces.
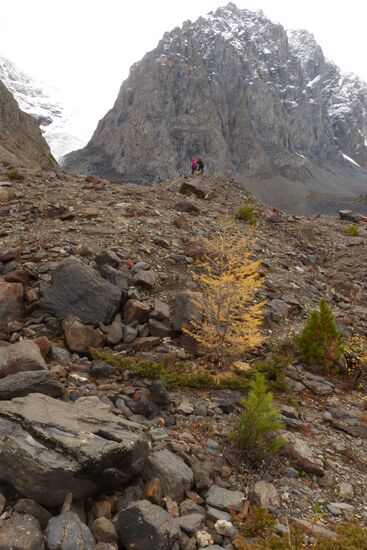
{"x":58,"y":121}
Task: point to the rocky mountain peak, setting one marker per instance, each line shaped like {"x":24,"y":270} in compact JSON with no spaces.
{"x":256,"y":101}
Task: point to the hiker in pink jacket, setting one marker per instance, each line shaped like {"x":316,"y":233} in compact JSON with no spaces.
{"x":194,"y":165}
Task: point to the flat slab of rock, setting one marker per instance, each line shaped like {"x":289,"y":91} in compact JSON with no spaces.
{"x":79,"y":290}
{"x":145,"y":525}
{"x":66,"y":531}
{"x":175,"y":476}
{"x":23,"y":356}
{"x":21,"y":532}
{"x":298,"y":450}
{"x":24,"y":383}
{"x":224,"y":499}
{"x":49,"y":448}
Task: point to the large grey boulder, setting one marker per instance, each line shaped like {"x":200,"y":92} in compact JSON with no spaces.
{"x":175,"y":476}
{"x":19,"y":357}
{"x":21,"y":532}
{"x":49,"y":448}
{"x":79,"y":290}
{"x":145,"y":525}
{"x":24,"y":383}
{"x":67,"y":532}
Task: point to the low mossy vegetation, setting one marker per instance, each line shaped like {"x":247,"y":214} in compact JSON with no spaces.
{"x":183,"y":374}
{"x":351,"y":230}
{"x":246,"y":213}
{"x":14,"y":175}
{"x":257,"y":532}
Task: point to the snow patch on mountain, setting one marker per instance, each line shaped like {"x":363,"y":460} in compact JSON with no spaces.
{"x":47,"y":105}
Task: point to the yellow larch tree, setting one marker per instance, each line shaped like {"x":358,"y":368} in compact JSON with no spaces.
{"x":227,"y":280}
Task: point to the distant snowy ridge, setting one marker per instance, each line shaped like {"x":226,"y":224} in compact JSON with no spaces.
{"x":45,"y":104}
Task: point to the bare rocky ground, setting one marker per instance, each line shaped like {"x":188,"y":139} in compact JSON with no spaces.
{"x":92,"y":457}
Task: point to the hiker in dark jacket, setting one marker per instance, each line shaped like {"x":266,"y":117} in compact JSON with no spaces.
{"x":194,"y":165}
{"x":200,"y":166}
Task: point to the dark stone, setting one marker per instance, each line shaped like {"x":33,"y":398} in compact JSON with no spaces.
{"x":135,"y":310}
{"x":175,"y":476}
{"x":79,"y":290}
{"x":104,"y":530}
{"x":160,"y":393}
{"x":108,"y":257}
{"x":67,"y":532}
{"x":101,"y":369}
{"x":194,"y":187}
{"x":23,"y":383}
{"x":146,"y":525}
{"x":156,"y":328}
{"x":144,"y":279}
{"x":116,"y":278}
{"x":185,"y":311}
{"x":225,"y":399}
{"x":349,"y":216}
{"x":188,"y":207}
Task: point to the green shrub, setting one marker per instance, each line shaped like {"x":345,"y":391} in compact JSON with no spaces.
{"x":320,"y":343}
{"x":273,"y":368}
{"x":351,"y":230}
{"x":246,"y":213}
{"x":14,"y":175}
{"x":259,"y":422}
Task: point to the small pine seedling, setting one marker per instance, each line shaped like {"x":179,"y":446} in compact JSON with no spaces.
{"x":320,"y":342}
{"x":259,"y":422}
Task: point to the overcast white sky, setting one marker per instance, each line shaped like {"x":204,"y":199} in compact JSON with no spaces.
{"x":85,"y":47}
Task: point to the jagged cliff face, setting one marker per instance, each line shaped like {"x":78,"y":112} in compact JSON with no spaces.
{"x":237,"y":89}
{"x":21,"y":139}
